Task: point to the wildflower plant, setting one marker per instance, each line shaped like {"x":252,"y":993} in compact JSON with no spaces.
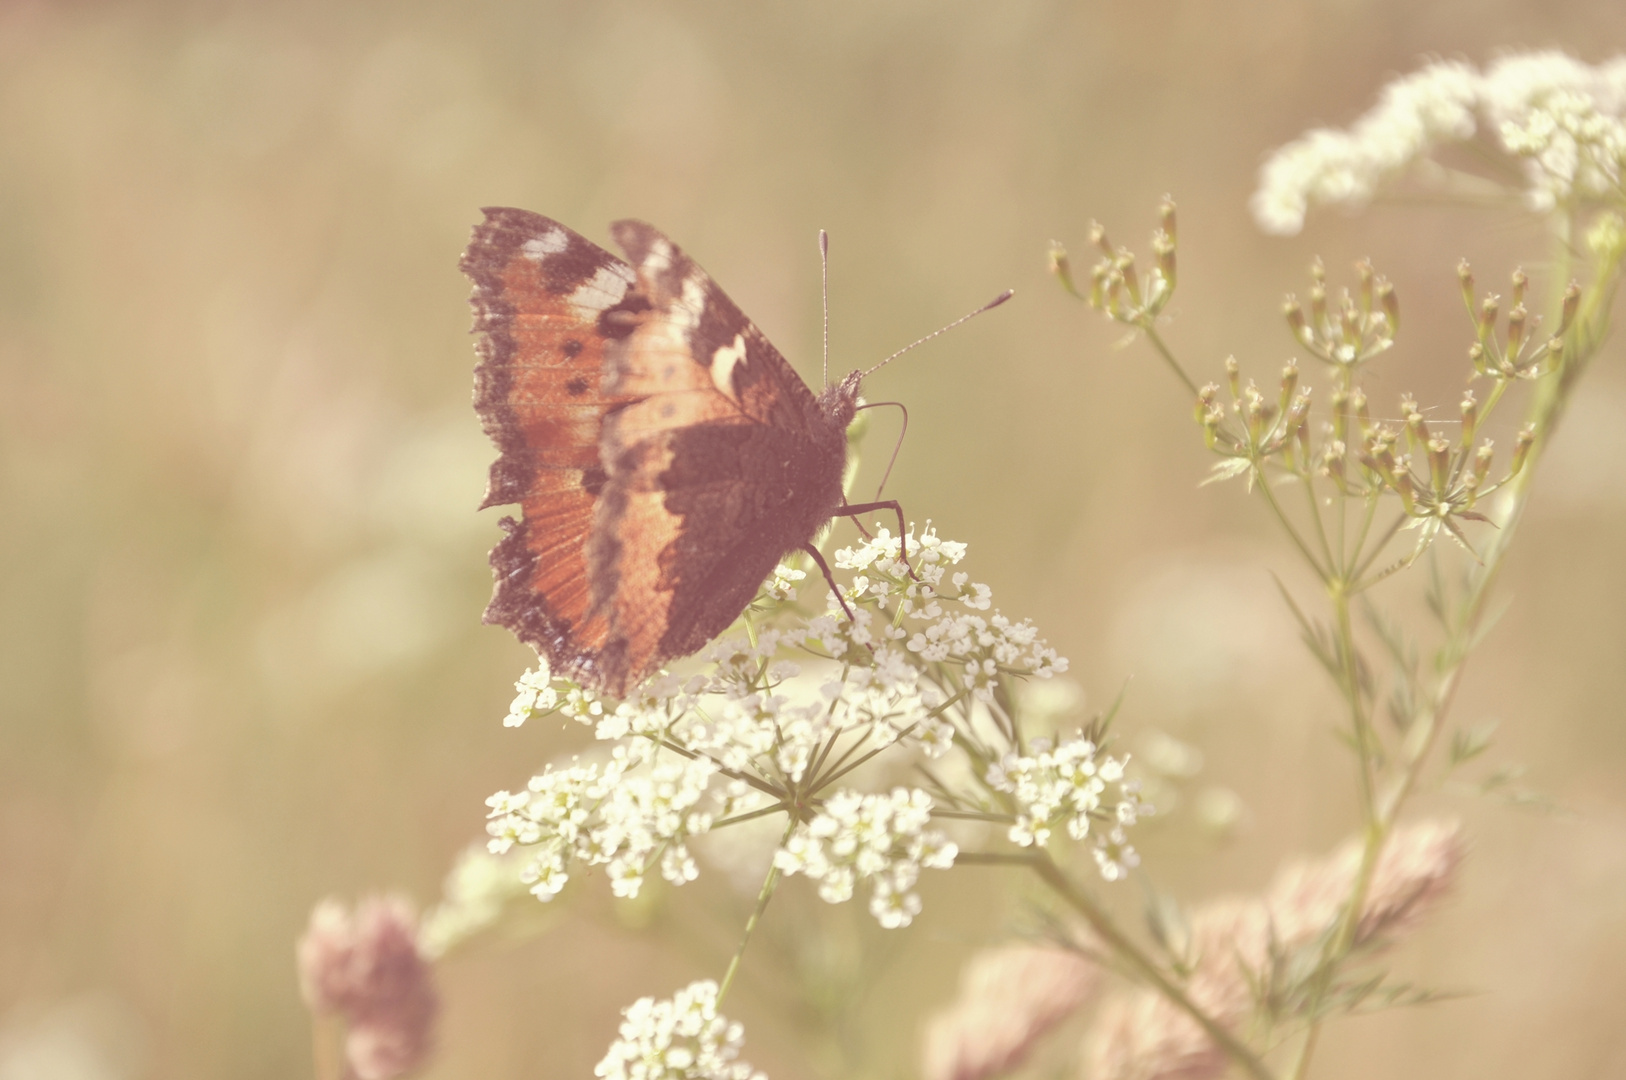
{"x":885,"y":731}
{"x":1362,"y":491}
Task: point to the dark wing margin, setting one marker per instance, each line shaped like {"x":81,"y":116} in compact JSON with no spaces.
{"x":544,"y":301}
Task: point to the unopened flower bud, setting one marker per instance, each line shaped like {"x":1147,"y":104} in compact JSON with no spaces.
{"x":1476,"y":356}
{"x":1061,"y":268}
{"x":1391,"y":306}
{"x":1233,"y":376}
{"x":1465,"y":275}
{"x":1349,"y":319}
{"x":1555,"y":352}
{"x":1363,"y":270}
{"x":1572,"y":303}
{"x":1470,"y":418}
{"x":1125,"y":265}
{"x":1515,"y":330}
{"x":1318,"y":271}
{"x":1340,"y":414}
{"x":1205,"y":401}
{"x":1332,"y":459}
{"x":1318,"y":304}
{"x":1166,"y":217}
{"x":1482,"y":461}
{"x":1521,"y":449}
{"x":1295,"y":321}
{"x":1487,"y":318}
{"x":1290,"y":379}
{"x":1401,"y":481}
{"x":1098,"y":237}
{"x":1362,"y":417}
{"x":1520,"y":280}
{"x":1439,"y":464}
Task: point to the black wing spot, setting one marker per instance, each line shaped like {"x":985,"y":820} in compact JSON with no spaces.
{"x":617,"y":323}
{"x":571,"y":348}
{"x":593,"y":480}
{"x":576,"y":387}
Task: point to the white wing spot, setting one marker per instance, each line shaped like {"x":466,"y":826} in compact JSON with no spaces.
{"x":723,"y":362}
{"x":552,"y":242}
{"x":603,"y":290}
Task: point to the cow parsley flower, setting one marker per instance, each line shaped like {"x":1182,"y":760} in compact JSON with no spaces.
{"x":1076,"y":787}
{"x":682,"y":1038}
{"x":1565,"y":120}
{"x":911,"y":662}
{"x":882,"y":839}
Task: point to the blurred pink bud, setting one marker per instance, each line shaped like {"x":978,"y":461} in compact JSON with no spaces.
{"x":368,"y":969}
{"x":1417,"y":868}
{"x":1009,"y":997}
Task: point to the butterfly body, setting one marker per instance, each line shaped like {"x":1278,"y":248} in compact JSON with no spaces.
{"x":664,"y":455}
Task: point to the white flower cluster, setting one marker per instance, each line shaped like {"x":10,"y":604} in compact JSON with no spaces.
{"x":606,"y":815}
{"x":1075,"y":786}
{"x":1565,"y":119}
{"x":880,"y":838}
{"x":679,"y":1039}
{"x":750,"y":732}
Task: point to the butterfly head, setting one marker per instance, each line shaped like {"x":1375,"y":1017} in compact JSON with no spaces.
{"x":840,"y":402}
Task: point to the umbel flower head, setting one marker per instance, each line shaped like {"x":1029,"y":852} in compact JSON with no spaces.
{"x":680,"y":1038}
{"x":1563,"y":120}
{"x":781,"y":720}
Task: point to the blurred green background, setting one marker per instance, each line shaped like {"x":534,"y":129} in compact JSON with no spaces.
{"x":241,"y":662}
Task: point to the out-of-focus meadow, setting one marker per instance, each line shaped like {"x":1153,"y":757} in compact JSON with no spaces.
{"x":241,"y":572}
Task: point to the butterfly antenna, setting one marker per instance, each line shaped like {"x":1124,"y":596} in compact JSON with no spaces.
{"x":995,"y":302}
{"x":824,"y":274}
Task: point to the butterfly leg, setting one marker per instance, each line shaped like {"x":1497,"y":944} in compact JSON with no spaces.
{"x":834,"y":588}
{"x":854,"y":509}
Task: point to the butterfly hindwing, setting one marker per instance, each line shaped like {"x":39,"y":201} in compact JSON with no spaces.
{"x":540,"y":291}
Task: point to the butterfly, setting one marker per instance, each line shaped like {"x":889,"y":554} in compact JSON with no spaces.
{"x":665,"y":457}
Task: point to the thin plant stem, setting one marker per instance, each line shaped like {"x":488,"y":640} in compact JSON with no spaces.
{"x":1143,"y":965}
{"x":1168,"y":357}
{"x":769,"y":884}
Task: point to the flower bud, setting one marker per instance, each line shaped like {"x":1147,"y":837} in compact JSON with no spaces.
{"x":1439,"y":464}
{"x":1487,"y":318}
{"x":1521,"y":449}
{"x":1476,"y":356}
{"x":1572,"y":303}
{"x":1205,"y":401}
{"x":1295,"y":321}
{"x":1318,"y":271}
{"x":1515,"y":330}
{"x":1465,"y":276}
{"x":1470,"y":418}
{"x":1555,"y":352}
{"x":1233,"y":376}
{"x":1290,"y":379}
{"x":1401,"y":481}
{"x":1125,"y":264}
{"x":1332,"y":459}
{"x":1363,"y":270}
{"x":1362,"y":417}
{"x":1520,"y":280}
{"x":1391,"y":306}
{"x":1340,"y":414}
{"x":1098,"y":286}
{"x":1318,"y":304}
{"x":1098,"y":237}
{"x":1060,"y":267}
{"x":1482,"y":461}
{"x":1166,"y":217}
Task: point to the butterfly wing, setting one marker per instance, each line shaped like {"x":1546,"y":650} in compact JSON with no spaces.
{"x":664,"y":455}
{"x":723,"y":465}
{"x":540,"y":291}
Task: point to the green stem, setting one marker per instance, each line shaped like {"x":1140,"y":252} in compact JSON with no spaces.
{"x":1168,"y":357}
{"x":768,"y":886}
{"x":1143,"y":965}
